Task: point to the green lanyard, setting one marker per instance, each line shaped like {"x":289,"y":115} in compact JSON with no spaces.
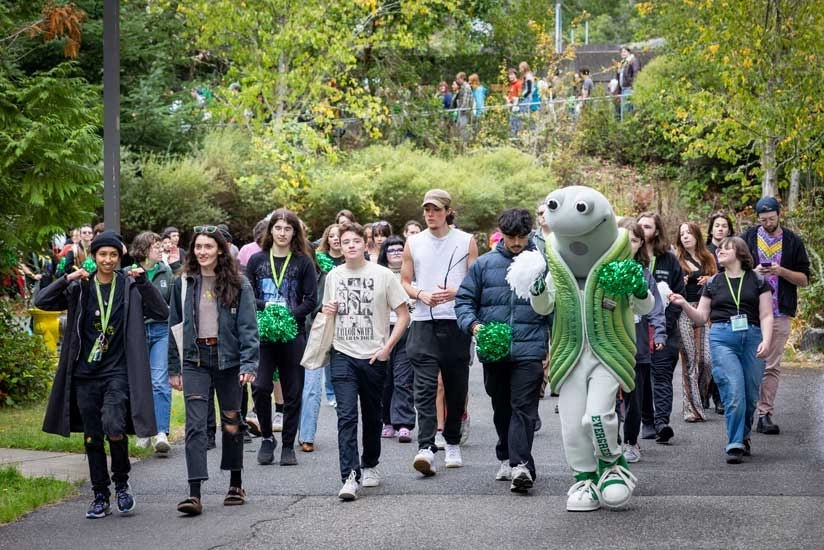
{"x":652,"y":266}
{"x":735,"y":297}
{"x":278,"y":278}
{"x":105,"y":316}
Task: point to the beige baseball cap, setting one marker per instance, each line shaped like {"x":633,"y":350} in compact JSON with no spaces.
{"x":438,"y":197}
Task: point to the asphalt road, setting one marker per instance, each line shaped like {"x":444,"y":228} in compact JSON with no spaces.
{"x":687,"y":496}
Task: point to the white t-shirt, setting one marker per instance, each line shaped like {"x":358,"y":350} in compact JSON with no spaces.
{"x":365,"y":297}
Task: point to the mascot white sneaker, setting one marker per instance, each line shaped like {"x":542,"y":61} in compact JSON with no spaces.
{"x":595,"y":289}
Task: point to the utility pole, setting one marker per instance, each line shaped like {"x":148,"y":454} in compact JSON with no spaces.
{"x":559,"y":40}
{"x":111,"y":115}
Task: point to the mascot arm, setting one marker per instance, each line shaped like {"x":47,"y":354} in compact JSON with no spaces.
{"x":642,"y":306}
{"x":544,"y":301}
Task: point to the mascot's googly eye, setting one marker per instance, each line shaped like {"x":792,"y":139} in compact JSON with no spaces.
{"x":582,"y":207}
{"x":552,"y":204}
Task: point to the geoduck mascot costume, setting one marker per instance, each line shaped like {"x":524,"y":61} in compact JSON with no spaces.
{"x":594,"y":288}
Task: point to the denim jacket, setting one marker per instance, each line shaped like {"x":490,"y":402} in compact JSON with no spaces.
{"x":238,"y":344}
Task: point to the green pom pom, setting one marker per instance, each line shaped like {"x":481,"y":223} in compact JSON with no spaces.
{"x":61,"y":265}
{"x":325,"y":261}
{"x":276,"y":324}
{"x":493,"y":341}
{"x":89,"y":265}
{"x":622,"y":278}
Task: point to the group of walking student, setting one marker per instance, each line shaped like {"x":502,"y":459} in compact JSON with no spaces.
{"x":597,"y":307}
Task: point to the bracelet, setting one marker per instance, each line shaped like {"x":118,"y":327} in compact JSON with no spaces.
{"x":418,"y":295}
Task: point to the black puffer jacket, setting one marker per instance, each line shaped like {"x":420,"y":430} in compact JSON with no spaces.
{"x":485,"y":296}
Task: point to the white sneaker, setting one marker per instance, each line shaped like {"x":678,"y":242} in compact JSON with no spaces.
{"x":616,"y":486}
{"x":453,"y":456}
{"x":504,"y":472}
{"x":333,"y":403}
{"x":423,"y":462}
{"x":583,"y":497}
{"x":277,"y":422}
{"x":465,"y":425}
{"x":521,"y":479}
{"x":440,"y":442}
{"x":371,"y":477}
{"x":143,"y":442}
{"x":632,"y":453}
{"x":161,"y":444}
{"x":350,"y":488}
{"x":253,"y":423}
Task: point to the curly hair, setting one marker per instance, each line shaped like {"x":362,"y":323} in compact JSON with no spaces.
{"x":142,"y":244}
{"x":228,"y":279}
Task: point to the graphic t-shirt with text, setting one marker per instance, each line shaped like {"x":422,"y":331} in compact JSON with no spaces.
{"x":365,"y":297}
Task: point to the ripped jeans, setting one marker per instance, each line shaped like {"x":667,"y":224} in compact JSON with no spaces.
{"x":196,"y":383}
{"x":103,"y":404}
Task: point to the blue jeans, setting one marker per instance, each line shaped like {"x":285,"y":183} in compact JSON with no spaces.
{"x":353,"y":379}
{"x":737,"y":372}
{"x":312,"y":386}
{"x":157,"y":338}
{"x":330,"y":391}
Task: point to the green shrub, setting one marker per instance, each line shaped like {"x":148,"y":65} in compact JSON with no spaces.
{"x":383,"y":182}
{"x":26,"y":366}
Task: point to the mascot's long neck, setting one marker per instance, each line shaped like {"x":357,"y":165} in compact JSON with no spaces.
{"x":582,"y":251}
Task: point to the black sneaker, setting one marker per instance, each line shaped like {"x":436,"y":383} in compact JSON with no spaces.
{"x":747,"y":448}
{"x":99,"y":508}
{"x":287,"y":457}
{"x":734,"y":456}
{"x":210,"y":442}
{"x":766,"y":426}
{"x":125,"y":500}
{"x":664,"y":435}
{"x":266,"y":454}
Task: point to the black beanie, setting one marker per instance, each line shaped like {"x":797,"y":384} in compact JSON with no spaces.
{"x":107,"y":238}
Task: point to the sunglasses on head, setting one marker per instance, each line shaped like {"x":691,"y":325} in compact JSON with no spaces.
{"x":207,"y":229}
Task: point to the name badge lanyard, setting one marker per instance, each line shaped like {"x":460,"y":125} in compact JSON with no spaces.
{"x":279,"y":278}
{"x":738,"y":322}
{"x":105,"y":317}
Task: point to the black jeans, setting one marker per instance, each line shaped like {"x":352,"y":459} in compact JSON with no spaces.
{"x":103,"y":403}
{"x":402,"y":411}
{"x":663,"y":366}
{"x":632,"y":404}
{"x":439,"y":347}
{"x":386,"y":396}
{"x":514,"y":387}
{"x":286,"y":358}
{"x":196,"y":382}
{"x":353,"y":378}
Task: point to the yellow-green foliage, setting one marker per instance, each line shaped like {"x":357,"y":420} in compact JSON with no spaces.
{"x":383,"y":182}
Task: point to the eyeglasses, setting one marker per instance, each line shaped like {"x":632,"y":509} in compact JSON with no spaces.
{"x":394,"y":250}
{"x":207,"y":229}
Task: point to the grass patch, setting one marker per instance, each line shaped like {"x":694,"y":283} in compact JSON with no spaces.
{"x":21,"y":428}
{"x":20,"y":495}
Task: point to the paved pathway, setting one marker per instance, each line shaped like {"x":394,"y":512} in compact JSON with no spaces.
{"x":687,"y":496}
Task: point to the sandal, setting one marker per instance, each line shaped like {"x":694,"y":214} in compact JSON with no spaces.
{"x":191,"y":506}
{"x":235,"y":497}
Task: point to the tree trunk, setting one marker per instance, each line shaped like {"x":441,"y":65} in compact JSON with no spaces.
{"x":795,"y":183}
{"x":281,"y":90}
{"x":769,"y":186}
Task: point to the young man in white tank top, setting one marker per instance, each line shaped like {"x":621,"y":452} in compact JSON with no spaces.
{"x":438,"y":259}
